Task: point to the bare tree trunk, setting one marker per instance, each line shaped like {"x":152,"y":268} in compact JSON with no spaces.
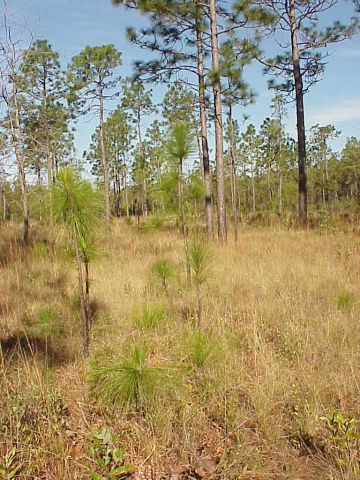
{"x":299,"y":92}
{"x":233,"y":176}
{"x":8,"y":75}
{"x":182,"y":220}
{"x":142,"y":153}
{"x":16,"y":134}
{"x":104,"y":162}
{"x":280,"y":193}
{"x":4,"y":206}
{"x":204,"y":135}
{"x":219,"y":141}
{"x":199,"y":305}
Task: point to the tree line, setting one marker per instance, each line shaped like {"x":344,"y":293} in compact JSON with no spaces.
{"x":158,"y":158}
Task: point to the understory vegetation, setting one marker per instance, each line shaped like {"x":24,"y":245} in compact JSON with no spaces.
{"x":265,"y":386}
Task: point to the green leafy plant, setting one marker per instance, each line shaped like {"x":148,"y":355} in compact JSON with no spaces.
{"x":108,"y":458}
{"x":126,"y":380}
{"x":9,"y":467}
{"x":150,"y":317}
{"x":200,"y":261}
{"x":343,"y":442}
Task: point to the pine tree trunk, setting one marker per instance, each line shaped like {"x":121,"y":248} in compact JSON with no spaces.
{"x":219,"y":142}
{"x":142,"y":153}
{"x":104,"y":162}
{"x":182,"y":220}
{"x":299,"y":92}
{"x":204,"y":135}
{"x":84,"y":309}
{"x":233,"y":176}
{"x":16,"y":135}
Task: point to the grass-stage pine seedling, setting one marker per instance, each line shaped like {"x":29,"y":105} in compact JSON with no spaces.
{"x":150,"y":317}
{"x":200,"y":349}
{"x":163,"y":270}
{"x":127,"y":381}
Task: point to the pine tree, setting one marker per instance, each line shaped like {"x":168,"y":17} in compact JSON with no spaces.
{"x":304,"y":63}
{"x":92,"y":80}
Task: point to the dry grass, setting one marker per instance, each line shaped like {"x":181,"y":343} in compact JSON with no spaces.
{"x":280,"y":310}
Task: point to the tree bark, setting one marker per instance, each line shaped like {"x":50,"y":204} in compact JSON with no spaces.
{"x":182,"y":220}
{"x":233,"y":175}
{"x":83,"y":306}
{"x":299,"y":93}
{"x":103,"y":160}
{"x":142,"y":153}
{"x":204,"y":135}
{"x":15,"y":129}
{"x":219,"y":141}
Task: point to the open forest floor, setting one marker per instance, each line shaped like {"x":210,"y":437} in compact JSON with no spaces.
{"x":267,"y":388}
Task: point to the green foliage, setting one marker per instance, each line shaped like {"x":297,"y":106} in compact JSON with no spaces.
{"x":201,"y":259}
{"x":150,"y":317}
{"x":108,"y":458}
{"x":77,"y":206}
{"x":9,"y":466}
{"x":201,"y":349}
{"x":163,"y":270}
{"x":152,"y":224}
{"x":343,"y":443}
{"x":340,"y":426}
{"x":46,"y":324}
{"x":89,"y":71}
{"x":180,"y":145}
{"x":345,"y":300}
{"x":127,"y":380}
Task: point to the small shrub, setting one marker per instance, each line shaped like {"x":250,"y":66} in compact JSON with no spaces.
{"x":150,"y":317}
{"x":109,"y":460}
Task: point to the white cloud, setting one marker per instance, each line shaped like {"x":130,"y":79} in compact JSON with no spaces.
{"x":345,"y":111}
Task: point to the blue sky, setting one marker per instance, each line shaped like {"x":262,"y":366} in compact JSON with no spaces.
{"x":69,"y":25}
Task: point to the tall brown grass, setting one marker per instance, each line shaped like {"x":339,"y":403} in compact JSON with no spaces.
{"x":279,"y":320}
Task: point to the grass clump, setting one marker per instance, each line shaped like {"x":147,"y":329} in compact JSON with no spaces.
{"x":126,"y":381}
{"x":150,"y":317}
{"x":200,"y":262}
{"x":345,"y":300}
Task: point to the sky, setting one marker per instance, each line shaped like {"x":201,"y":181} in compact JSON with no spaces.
{"x":69,"y":25}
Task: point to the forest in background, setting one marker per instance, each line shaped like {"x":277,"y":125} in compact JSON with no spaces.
{"x":247,"y":171}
